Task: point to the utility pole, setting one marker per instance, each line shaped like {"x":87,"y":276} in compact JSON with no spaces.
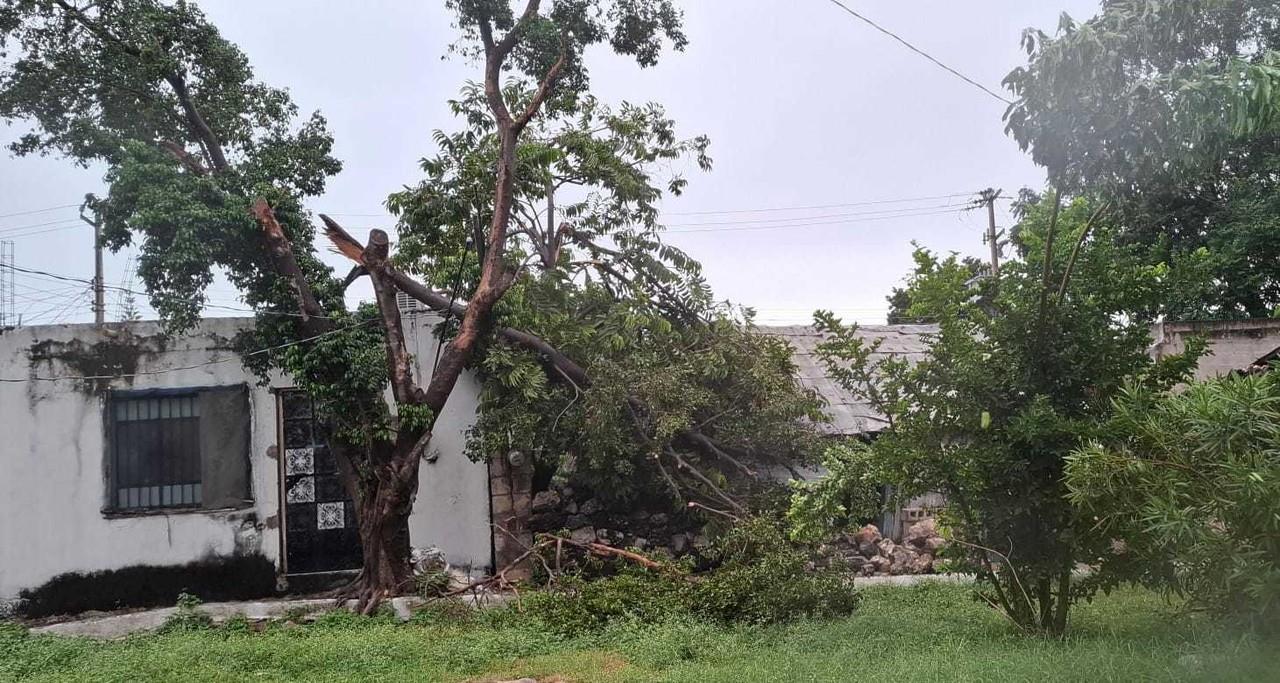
{"x":988,"y":197}
{"x":99,"y":293}
{"x":7,"y":318}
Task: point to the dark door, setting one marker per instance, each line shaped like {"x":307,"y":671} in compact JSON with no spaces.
{"x":319,"y":517}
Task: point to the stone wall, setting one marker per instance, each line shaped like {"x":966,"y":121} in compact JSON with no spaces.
{"x":586,"y":518}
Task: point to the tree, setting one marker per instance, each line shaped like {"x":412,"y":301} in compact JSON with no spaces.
{"x":208,"y":167}
{"x":933,"y":280}
{"x":1169,"y":110}
{"x":677,"y":398}
{"x":1186,"y":486}
{"x":1018,"y":375}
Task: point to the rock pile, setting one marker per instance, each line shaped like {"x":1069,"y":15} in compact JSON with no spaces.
{"x":588,"y":520}
{"x":871,"y":554}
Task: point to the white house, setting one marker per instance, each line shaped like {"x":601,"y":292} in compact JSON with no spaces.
{"x":123,"y":448}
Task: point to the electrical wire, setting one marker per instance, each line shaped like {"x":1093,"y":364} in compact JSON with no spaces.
{"x":820,"y":206}
{"x":64,"y":221}
{"x":899,"y":200}
{"x":922,"y":53}
{"x":67,"y":278}
{"x":853,"y":214}
{"x":819,"y":223}
{"x":35,"y":211}
{"x":39,"y":232}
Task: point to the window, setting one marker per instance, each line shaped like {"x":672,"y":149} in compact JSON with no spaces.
{"x":178,"y":448}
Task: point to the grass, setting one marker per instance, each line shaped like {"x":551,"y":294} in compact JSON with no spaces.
{"x":926,"y":633}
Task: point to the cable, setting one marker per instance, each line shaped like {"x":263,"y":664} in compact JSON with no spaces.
{"x":39,"y":232}
{"x":807,"y":225}
{"x":67,"y":278}
{"x":902,"y":200}
{"x":269,"y":349}
{"x":877,"y":212}
{"x":920,"y":52}
{"x":820,"y":206}
{"x":35,"y":211}
{"x":64,"y":221}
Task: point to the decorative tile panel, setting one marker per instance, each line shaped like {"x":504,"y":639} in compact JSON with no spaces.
{"x":302,"y":491}
{"x":330,"y":516}
{"x":299,"y":461}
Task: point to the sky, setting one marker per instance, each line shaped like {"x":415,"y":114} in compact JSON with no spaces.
{"x":805,"y":105}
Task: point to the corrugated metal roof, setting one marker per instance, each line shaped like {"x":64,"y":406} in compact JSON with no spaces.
{"x":850,"y":414}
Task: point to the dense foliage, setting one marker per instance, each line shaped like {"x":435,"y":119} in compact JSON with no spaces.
{"x":1187,"y":487}
{"x":1019,"y":374}
{"x":755,"y":575}
{"x":1169,"y":110}
{"x":684,"y":401}
{"x":208,"y":169}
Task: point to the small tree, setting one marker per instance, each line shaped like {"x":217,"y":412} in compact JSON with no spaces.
{"x":1186,"y":486}
{"x":1018,"y":375}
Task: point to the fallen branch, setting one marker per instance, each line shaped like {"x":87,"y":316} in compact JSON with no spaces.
{"x":499,"y":578}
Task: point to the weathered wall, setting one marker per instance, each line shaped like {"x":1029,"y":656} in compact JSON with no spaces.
{"x":53,"y":453}
{"x":452,"y":508}
{"x":53,"y":456}
{"x":1233,"y":344}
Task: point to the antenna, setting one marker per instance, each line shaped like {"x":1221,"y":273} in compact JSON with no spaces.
{"x":7,"y":316}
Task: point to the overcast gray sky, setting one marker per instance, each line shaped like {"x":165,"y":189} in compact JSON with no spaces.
{"x":805,"y":106}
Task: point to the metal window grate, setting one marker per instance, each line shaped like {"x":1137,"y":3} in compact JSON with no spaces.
{"x":156,"y":451}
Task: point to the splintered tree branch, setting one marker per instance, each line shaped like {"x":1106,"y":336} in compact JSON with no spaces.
{"x":287,"y":265}
{"x":399,"y":365}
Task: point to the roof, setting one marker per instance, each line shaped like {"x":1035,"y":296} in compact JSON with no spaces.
{"x":850,"y":414}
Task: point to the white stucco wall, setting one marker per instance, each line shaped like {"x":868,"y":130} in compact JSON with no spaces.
{"x":52,"y":455}
{"x":53,"y":451}
{"x":452,"y":508}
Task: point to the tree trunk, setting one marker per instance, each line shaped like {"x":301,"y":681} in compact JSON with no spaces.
{"x":384,"y":497}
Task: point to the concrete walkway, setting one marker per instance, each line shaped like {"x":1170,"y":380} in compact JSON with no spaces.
{"x":113,"y":626}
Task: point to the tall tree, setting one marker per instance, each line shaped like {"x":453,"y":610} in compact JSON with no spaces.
{"x":1169,"y":109}
{"x":208,"y":168}
{"x":678,"y":401}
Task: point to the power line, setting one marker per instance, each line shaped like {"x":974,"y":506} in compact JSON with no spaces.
{"x":819,"y":206}
{"x":35,"y":211}
{"x":15,"y":228}
{"x":792,"y":219}
{"x":900,"y":200}
{"x":39,"y":232}
{"x":68,"y":278}
{"x":807,"y":225}
{"x":922,"y":53}
{"x":269,"y":349}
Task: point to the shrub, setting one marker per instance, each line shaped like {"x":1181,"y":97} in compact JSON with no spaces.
{"x":754,"y":576}
{"x":1186,"y":491}
{"x":577,"y":605}
{"x":188,"y":617}
{"x":762,"y":578}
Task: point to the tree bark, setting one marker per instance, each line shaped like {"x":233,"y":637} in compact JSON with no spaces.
{"x":384,"y":495}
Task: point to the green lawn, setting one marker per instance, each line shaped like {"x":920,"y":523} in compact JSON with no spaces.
{"x":928,"y":633}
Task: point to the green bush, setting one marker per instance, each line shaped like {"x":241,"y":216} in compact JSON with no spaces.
{"x":756,"y":576}
{"x":762,"y":578}
{"x":1186,"y":490}
{"x":188,"y":617}
{"x":578,"y":605}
